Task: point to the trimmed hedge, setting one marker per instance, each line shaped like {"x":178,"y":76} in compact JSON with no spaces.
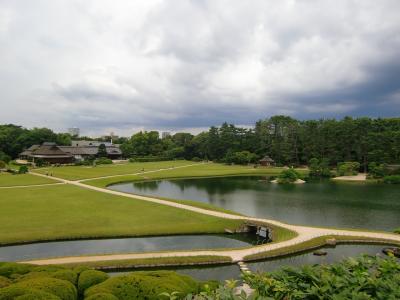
{"x":67,"y":275}
{"x":102,"y":296}
{"x":145,"y":285}
{"x":18,"y":292}
{"x":60,"y":288}
{"x":392,"y":179}
{"x":7,"y":269}
{"x":90,"y":278}
{"x":4,"y":281}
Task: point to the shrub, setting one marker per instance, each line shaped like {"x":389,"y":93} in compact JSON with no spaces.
{"x":102,"y":296}
{"x":368,"y":277}
{"x":397,"y":231}
{"x":4,"y":281}
{"x":8,"y":268}
{"x":89,"y":278}
{"x":348,"y":168}
{"x":2,"y":164}
{"x":288,"y":176}
{"x":145,"y":285}
{"x":376,"y":170}
{"x":60,"y":288}
{"x":40,"y":162}
{"x":16,"y":292}
{"x":392,"y":179}
{"x":103,"y":161}
{"x":67,"y":275}
{"x":23,"y":170}
{"x":319,"y":168}
{"x":196,"y":159}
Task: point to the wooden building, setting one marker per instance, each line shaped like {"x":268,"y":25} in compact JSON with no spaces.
{"x":267,"y":161}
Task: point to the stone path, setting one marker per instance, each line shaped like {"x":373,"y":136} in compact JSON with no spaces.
{"x":304,"y":233}
{"x":358,"y":177}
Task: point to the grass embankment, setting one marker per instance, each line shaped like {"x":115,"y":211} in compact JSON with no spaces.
{"x":315,"y":244}
{"x":7,"y":179}
{"x":154,"y":262}
{"x":87,"y":172}
{"x":200,"y":170}
{"x":70,"y":212}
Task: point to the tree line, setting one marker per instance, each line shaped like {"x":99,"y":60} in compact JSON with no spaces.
{"x":286,"y":140}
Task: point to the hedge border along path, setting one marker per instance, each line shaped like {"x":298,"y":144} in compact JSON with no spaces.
{"x":304,"y":234}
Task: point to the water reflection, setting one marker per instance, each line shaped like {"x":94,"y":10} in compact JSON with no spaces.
{"x":318,"y":203}
{"x":337,"y":254}
{"x":126,"y":245}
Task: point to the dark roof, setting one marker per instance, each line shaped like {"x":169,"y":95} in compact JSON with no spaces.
{"x":89,"y":150}
{"x":267,"y":158}
{"x":49,"y":149}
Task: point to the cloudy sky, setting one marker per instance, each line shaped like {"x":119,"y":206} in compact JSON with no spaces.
{"x":121,"y":66}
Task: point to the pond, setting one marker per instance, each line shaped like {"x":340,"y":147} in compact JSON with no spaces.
{"x":347,"y":205}
{"x":123,"y":245}
{"x":224,"y":272}
{"x":308,"y":258}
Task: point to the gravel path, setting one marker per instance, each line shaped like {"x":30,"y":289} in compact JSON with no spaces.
{"x":304,"y":233}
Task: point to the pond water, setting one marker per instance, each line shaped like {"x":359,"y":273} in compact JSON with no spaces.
{"x":308,"y":258}
{"x":224,"y":272}
{"x":371,"y":206}
{"x":123,"y":245}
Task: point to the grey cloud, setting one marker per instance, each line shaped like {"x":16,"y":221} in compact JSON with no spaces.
{"x":167,"y":64}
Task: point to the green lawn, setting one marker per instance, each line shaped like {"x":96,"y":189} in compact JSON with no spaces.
{"x":68,"y":212}
{"x":7,"y":179}
{"x":84,"y":172}
{"x":201,"y":170}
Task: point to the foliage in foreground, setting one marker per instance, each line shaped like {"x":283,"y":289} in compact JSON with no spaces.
{"x":364,"y":278}
{"x":28,"y":282}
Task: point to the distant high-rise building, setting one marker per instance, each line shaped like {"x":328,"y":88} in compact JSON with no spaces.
{"x":74,"y":131}
{"x":165,"y":134}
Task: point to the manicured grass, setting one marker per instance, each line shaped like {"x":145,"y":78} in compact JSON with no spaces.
{"x":201,"y":170}
{"x":314,"y":244}
{"x":154,"y":262}
{"x":84,"y":172}
{"x":7,"y":179}
{"x":70,"y":212}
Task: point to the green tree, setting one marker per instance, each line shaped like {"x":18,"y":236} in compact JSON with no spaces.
{"x":102,"y":151}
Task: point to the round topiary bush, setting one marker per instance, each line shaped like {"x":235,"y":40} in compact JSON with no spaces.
{"x":17,"y":292}
{"x":90,"y":278}
{"x":63,"y":289}
{"x":37,"y":295}
{"x":68,"y":275}
{"x":7,"y":269}
{"x":145,"y":285}
{"x":102,"y":296}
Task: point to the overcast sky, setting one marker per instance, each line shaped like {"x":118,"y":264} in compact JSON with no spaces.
{"x":185,"y":65}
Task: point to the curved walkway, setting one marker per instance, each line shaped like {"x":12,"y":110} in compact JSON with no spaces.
{"x":304,"y":234}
